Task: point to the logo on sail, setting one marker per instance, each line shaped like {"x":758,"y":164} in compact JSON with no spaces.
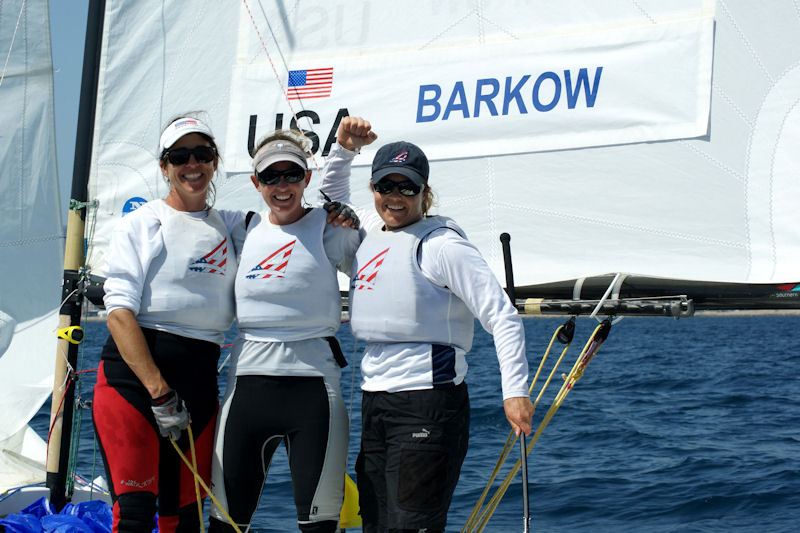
{"x":365,"y":277}
{"x":214,"y":261}
{"x":274,"y":266}
{"x":133,"y":204}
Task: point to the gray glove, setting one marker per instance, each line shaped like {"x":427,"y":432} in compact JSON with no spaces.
{"x":171,"y":414}
{"x":341,"y":209}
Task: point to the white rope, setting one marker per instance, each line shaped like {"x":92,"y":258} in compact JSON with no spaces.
{"x":605,"y":297}
{"x":11,"y":46}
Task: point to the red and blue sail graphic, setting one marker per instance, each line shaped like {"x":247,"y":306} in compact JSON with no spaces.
{"x":274,"y":266}
{"x":214,"y":261}
{"x":365,"y":277}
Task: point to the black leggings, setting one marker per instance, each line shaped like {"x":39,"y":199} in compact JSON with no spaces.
{"x":308,"y":415}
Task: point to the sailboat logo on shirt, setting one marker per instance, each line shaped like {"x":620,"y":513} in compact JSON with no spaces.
{"x":365,"y":277}
{"x":214,"y":261}
{"x":274,"y":266}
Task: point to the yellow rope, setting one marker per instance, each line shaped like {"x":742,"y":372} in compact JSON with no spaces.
{"x":203,"y":484}
{"x":512,"y":438}
{"x":196,"y":484}
{"x":569,"y":381}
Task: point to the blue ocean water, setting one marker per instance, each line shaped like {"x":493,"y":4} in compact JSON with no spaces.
{"x":689,"y":425}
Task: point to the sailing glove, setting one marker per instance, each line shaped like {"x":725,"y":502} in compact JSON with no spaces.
{"x":171,"y":414}
{"x":342,"y":209}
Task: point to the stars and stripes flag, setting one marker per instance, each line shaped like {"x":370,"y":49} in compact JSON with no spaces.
{"x":310,"y":83}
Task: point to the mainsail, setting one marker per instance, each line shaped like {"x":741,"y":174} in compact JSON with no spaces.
{"x":642,"y":137}
{"x":31,"y":236}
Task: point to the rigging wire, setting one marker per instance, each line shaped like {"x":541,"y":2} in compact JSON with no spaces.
{"x":11,"y":45}
{"x":275,"y":70}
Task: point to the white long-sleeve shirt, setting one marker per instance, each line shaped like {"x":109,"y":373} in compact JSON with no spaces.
{"x":447,"y":260}
{"x":136,"y":243}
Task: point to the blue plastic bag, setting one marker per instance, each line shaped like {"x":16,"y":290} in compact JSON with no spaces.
{"x":39,"y":517}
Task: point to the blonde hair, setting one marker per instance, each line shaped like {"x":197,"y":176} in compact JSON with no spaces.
{"x":428,"y":199}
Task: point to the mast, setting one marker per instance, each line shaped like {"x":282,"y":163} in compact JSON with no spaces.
{"x":74,"y":257}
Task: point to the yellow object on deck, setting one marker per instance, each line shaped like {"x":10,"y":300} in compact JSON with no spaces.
{"x":349,"y":516}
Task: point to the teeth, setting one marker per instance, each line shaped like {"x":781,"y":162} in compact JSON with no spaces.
{"x":394,"y":207}
{"x":283,"y":197}
{"x":192,"y":176}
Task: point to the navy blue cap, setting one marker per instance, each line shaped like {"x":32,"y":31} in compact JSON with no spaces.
{"x":400,"y":157}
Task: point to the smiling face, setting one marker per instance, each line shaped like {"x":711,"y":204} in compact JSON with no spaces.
{"x":285,"y":200}
{"x":188,"y":183}
{"x":396,"y":210}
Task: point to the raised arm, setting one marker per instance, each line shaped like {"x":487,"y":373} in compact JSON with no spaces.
{"x":353,"y":134}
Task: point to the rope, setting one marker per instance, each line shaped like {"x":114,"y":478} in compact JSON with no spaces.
{"x":13,"y":38}
{"x":196,"y":485}
{"x":589,"y":350}
{"x":512,"y":438}
{"x":275,"y":72}
{"x":58,"y":410}
{"x":193,"y":470}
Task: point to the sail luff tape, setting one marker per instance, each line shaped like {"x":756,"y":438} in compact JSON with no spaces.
{"x":576,"y":290}
{"x":533,"y":306}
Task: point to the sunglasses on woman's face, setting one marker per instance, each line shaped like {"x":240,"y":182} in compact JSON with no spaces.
{"x":406,"y":188}
{"x":180,"y":156}
{"x":272,"y":177}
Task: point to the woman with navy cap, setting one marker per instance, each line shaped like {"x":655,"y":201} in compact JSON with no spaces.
{"x":283,"y":384}
{"x":416,"y":285}
{"x":169,"y":296}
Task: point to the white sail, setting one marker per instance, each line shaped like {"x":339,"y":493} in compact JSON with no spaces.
{"x":31,"y":236}
{"x":674,"y":160}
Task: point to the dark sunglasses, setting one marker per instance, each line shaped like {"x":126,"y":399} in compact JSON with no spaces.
{"x":406,"y":188}
{"x":272,"y":177}
{"x":180,"y":156}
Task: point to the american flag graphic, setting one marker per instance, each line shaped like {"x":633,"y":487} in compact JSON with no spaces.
{"x":365,"y":278}
{"x":274,"y":265}
{"x":311,"y":83}
{"x":214,"y":261}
